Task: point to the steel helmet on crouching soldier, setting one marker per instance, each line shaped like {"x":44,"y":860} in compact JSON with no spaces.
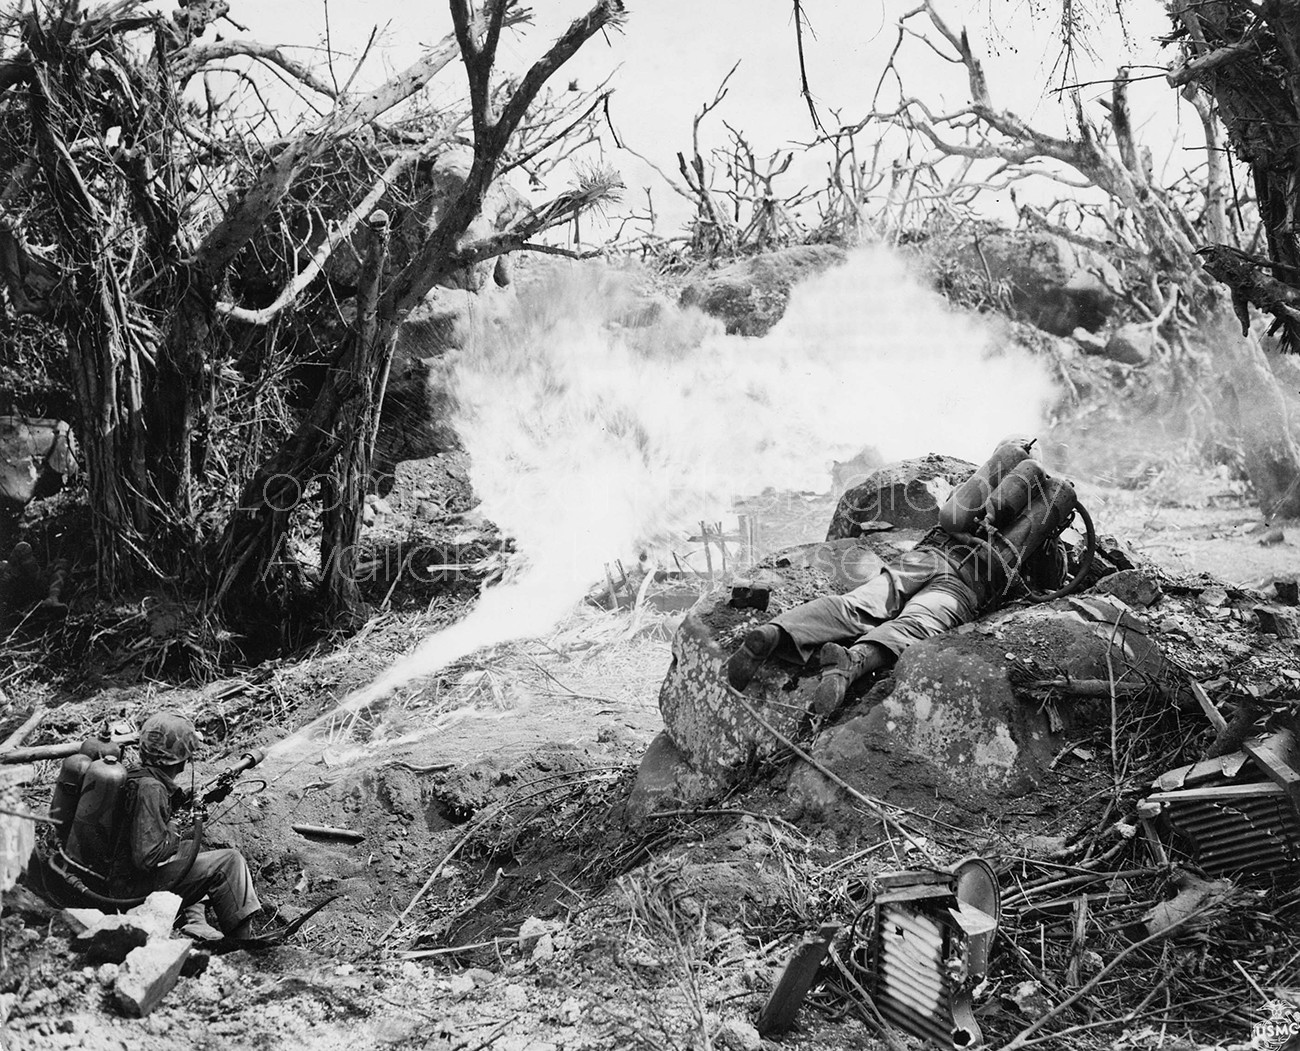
{"x":168,"y":738}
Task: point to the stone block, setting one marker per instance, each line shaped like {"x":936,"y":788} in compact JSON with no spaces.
{"x":665,"y":780}
{"x":1282,"y":621}
{"x":1131,"y":344}
{"x":82,"y":920}
{"x":1131,"y":586}
{"x":112,"y":938}
{"x":149,"y":973}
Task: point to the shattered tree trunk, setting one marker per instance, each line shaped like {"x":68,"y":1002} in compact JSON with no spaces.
{"x":341,"y":423}
{"x":104,"y":351}
{"x":1247,"y":59}
{"x":345,"y":490}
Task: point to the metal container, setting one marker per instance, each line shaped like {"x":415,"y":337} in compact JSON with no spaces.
{"x":929,"y":947}
{"x":90,"y":841}
{"x":67,"y":792}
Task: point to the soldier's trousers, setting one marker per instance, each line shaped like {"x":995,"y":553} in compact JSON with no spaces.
{"x":223,"y":878}
{"x":917,"y":596}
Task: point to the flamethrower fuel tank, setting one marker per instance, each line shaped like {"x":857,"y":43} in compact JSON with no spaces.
{"x":962,"y":510}
{"x":67,"y":789}
{"x":90,"y":840}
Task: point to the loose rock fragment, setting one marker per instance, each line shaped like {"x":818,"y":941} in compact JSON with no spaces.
{"x":111,"y":938}
{"x":149,"y":973}
{"x":1130,"y":586}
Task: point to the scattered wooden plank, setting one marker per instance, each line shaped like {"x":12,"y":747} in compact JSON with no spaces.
{"x":1219,"y":793}
{"x":56,"y":751}
{"x":23,"y":732}
{"x":1207,"y":706}
{"x":1272,"y":754}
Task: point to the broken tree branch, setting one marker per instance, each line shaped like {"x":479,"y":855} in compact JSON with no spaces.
{"x":251,"y":212}
{"x":190,"y":60}
{"x":336,"y":236}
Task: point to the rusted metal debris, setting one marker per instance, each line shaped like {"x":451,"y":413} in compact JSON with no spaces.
{"x":920,"y":944}
{"x":1237,"y":813}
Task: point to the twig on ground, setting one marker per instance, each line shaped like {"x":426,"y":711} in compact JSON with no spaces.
{"x":881,"y":809}
{"x":1021,"y":1039}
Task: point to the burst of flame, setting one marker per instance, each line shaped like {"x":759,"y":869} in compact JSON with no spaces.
{"x":599,"y":423}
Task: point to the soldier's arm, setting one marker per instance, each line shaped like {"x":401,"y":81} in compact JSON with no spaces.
{"x":154,"y":838}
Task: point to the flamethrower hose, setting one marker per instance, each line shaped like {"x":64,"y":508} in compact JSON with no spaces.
{"x":77,"y":884}
{"x":1089,"y":553}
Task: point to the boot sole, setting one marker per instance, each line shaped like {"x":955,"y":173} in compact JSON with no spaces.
{"x":745,"y":662}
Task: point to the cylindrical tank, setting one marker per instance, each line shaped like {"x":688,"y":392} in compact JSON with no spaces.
{"x":90,"y":842}
{"x":98,"y":748}
{"x":961,"y":511}
{"x":1013,"y":494}
{"x":1043,"y":518}
{"x":67,"y":789}
{"x":67,"y":792}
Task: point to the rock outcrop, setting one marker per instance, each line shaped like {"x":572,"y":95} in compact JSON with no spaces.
{"x":962,"y":715}
{"x":907,"y":495}
{"x":1056,"y":285}
{"x":36,"y":457}
{"x":956,"y":720}
{"x":710,"y":741}
{"x":1131,"y":344}
{"x":750,"y":296}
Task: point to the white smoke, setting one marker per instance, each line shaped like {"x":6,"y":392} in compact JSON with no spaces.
{"x":598,"y":426}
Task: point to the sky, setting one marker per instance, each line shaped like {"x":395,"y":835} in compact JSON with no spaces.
{"x":671,"y":55}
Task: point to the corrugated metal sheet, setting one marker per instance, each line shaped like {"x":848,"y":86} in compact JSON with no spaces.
{"x":1247,"y":834}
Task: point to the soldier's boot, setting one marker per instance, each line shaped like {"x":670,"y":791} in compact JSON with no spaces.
{"x":52,"y":605}
{"x":196,"y":924}
{"x":757,"y":647}
{"x":841,"y":668}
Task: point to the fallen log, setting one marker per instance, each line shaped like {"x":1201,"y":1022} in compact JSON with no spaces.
{"x":21,"y":734}
{"x":56,"y":751}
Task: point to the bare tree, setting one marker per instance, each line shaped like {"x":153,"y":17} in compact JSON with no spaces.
{"x":128,"y":211}
{"x":1244,"y":58}
{"x":1154,"y":227}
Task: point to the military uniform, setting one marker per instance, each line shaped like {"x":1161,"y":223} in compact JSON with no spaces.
{"x":147,"y":859}
{"x":932,"y":588}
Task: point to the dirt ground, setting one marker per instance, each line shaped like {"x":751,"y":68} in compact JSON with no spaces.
{"x":498,"y":899}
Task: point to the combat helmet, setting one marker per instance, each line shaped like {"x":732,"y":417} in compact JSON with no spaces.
{"x":168,"y":738}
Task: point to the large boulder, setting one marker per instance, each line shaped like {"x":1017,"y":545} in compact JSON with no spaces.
{"x":907,"y":495}
{"x":710,"y":740}
{"x":961,"y":720}
{"x":750,"y":295}
{"x":36,"y":458}
{"x":1056,"y":285}
{"x":1131,"y":344}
